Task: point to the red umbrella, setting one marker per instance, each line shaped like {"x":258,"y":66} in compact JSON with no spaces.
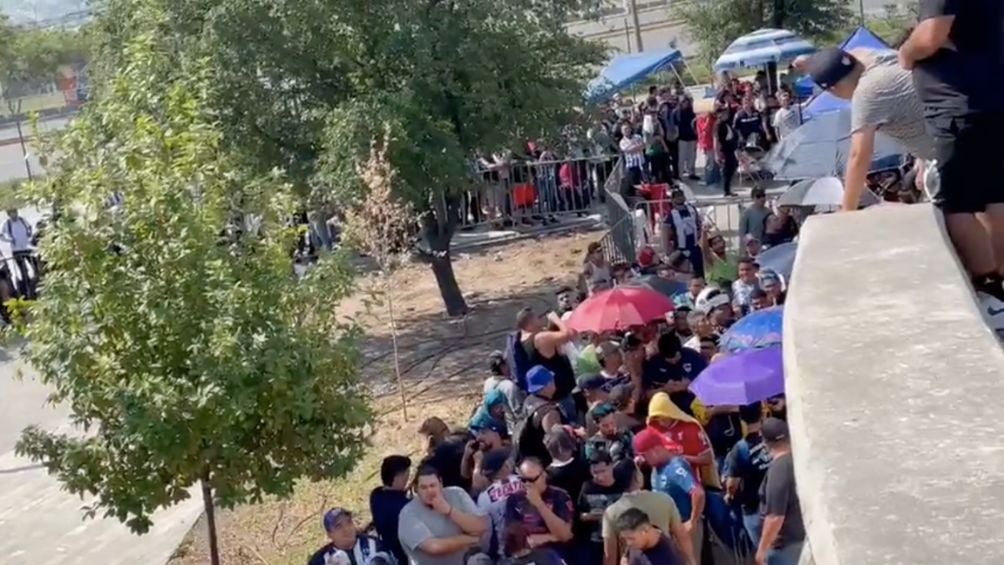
{"x":619,"y":309}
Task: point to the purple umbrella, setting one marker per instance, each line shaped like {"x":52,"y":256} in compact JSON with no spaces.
{"x":744,"y":378}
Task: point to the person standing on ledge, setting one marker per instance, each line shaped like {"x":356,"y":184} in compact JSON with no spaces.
{"x":783,"y":534}
{"x":956,"y":53}
{"x":883,"y":98}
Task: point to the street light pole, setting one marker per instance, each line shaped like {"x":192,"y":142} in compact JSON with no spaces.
{"x":637,"y":25}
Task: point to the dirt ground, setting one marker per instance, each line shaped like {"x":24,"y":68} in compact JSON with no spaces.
{"x":443,"y":362}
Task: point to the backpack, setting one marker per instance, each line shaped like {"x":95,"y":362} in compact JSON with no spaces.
{"x":529,"y":437}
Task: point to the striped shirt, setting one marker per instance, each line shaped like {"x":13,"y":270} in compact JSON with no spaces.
{"x":887,"y":99}
{"x":633,"y":159}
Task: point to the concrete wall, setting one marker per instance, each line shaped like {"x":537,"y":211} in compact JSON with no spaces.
{"x":895,"y":388}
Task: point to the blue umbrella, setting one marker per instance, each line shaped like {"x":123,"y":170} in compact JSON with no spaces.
{"x":762,"y":47}
{"x":821,"y":147}
{"x":779,"y":258}
{"x":744,"y":378}
{"x":666,"y":287}
{"x":754,"y":331}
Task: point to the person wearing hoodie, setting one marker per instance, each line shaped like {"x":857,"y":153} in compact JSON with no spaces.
{"x":666,"y":417}
{"x":387,"y":500}
{"x":488,"y":433}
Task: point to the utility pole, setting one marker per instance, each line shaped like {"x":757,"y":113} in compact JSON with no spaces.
{"x":627,"y":36}
{"x":637,"y":26}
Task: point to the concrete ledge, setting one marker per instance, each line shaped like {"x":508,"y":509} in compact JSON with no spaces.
{"x":895,"y":387}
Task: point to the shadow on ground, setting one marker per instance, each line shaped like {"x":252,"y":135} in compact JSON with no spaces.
{"x":442,"y":356}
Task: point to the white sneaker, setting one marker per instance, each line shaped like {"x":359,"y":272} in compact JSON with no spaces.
{"x":993,"y":311}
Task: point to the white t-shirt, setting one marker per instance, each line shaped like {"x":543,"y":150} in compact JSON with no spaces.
{"x":18,"y":232}
{"x":785,"y":122}
{"x":491,"y":502}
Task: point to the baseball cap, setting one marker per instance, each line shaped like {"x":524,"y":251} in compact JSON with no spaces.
{"x":331,"y":517}
{"x":827,"y":67}
{"x":608,"y":348}
{"x":620,"y":394}
{"x":711,"y":298}
{"x":538,"y":378}
{"x":482,"y":420}
{"x":646,"y":257}
{"x":649,"y":439}
{"x":494,"y":460}
{"x":774,"y":429}
{"x":591,"y":382}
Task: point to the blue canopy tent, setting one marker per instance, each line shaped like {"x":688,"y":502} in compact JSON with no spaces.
{"x":862,"y":38}
{"x":626,"y":70}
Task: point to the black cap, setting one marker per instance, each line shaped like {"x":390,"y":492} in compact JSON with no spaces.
{"x":774,"y":429}
{"x":829,"y":66}
{"x":494,"y":460}
{"x":591,"y":382}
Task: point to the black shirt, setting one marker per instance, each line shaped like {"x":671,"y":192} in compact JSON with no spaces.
{"x":748,"y":461}
{"x":724,"y":431}
{"x":685,"y":123}
{"x":569,"y":477}
{"x":446,"y":458}
{"x":661,"y":553}
{"x":385,"y":507}
{"x":779,"y":498}
{"x":749,"y":123}
{"x":728,"y":139}
{"x":968,"y":77}
{"x":595,"y":499}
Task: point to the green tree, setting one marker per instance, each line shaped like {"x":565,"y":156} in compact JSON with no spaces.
{"x":173,"y":326}
{"x":304,"y":85}
{"x":716,"y":23}
{"x":29,"y":60}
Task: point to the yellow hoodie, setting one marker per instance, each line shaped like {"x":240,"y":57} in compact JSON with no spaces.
{"x":660,"y":406}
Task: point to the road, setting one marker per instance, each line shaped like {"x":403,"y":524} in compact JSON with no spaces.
{"x":12,"y":160}
{"x":43,"y":524}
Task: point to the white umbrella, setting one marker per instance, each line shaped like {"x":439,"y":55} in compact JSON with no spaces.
{"x":761,"y":47}
{"x":826,"y":191}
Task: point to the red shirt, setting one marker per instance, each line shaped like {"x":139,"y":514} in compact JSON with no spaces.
{"x":690,"y":436}
{"x":705,"y":132}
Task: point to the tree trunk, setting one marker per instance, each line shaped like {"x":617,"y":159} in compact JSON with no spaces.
{"x":779,"y":14}
{"x":393,"y":336}
{"x":438,"y":225}
{"x":207,"y":502}
{"x":442,"y":268}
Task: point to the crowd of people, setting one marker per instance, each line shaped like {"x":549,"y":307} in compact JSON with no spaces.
{"x":661,"y":137}
{"x":590,"y":448}
{"x":938,"y":95}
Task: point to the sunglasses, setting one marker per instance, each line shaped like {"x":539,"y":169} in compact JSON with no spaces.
{"x":529,"y":480}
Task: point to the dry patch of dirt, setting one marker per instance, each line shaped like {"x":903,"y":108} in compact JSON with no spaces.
{"x":443,"y":362}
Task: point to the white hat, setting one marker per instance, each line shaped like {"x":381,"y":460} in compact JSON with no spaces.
{"x":711,"y":298}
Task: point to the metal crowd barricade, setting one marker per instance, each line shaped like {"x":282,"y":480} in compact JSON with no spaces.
{"x":619,"y":243}
{"x":22,"y":278}
{"x":535,"y":192}
{"x":723,"y":213}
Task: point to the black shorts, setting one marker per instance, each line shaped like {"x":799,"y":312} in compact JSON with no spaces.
{"x":970,"y":154}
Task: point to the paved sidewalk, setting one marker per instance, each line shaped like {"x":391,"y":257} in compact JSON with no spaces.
{"x":40,"y":523}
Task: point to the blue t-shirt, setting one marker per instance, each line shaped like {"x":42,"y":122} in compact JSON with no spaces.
{"x":657,"y":371}
{"x":677,"y":480}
